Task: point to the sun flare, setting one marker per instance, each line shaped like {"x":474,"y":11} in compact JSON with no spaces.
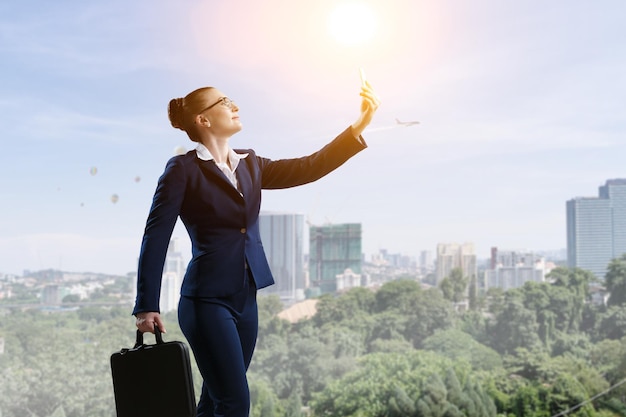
{"x":352,"y":23}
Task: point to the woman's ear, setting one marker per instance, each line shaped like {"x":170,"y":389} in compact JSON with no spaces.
{"x":202,"y":120}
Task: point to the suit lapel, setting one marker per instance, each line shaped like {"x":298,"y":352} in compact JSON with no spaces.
{"x":243,"y":177}
{"x":216,"y":176}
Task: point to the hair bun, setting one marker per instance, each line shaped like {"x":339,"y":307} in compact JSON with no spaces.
{"x":176,"y":112}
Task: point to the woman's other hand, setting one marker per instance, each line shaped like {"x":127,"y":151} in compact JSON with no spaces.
{"x":145,"y":322}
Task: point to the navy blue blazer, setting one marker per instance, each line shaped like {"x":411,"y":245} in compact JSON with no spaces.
{"x":222,"y":223}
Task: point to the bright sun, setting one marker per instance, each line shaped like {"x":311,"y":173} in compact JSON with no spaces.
{"x":352,"y":23}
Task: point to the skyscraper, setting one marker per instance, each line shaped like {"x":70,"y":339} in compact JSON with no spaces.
{"x":283,"y":237}
{"x":333,"y":249}
{"x":596,"y":228}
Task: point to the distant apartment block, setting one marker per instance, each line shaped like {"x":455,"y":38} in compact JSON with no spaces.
{"x":513,"y":268}
{"x":332,"y":250}
{"x":348,"y":279}
{"x":282,"y":235}
{"x":455,"y":255}
{"x":596,"y":228}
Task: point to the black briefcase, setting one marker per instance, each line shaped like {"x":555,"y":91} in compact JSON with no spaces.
{"x":153,"y":380}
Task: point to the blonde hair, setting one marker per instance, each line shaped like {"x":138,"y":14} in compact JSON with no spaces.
{"x":182,"y":111}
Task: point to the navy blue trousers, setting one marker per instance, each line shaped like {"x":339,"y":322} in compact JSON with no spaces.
{"x":222,"y":333}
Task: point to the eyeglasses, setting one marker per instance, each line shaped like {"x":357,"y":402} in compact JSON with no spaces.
{"x":224,"y":100}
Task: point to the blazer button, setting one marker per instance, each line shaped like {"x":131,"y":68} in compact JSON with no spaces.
{"x":243,"y":230}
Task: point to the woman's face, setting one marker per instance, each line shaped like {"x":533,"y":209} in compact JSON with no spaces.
{"x":221,"y":113}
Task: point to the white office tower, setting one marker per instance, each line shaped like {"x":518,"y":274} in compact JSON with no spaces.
{"x":282,"y":235}
{"x":170,"y":292}
{"x":513,"y":268}
{"x":596,"y":228}
{"x":455,"y":255}
{"x":173,"y":273}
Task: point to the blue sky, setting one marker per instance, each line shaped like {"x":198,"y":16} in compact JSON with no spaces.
{"x":521,"y":107}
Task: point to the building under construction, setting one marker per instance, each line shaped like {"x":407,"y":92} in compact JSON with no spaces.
{"x":333,"y":249}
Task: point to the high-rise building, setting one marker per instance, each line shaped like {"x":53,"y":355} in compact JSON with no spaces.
{"x":170,"y":291}
{"x":282,"y":235}
{"x":455,"y":255}
{"x":596,"y":228}
{"x":174,"y":261}
{"x":171,"y":281}
{"x":333,"y":249}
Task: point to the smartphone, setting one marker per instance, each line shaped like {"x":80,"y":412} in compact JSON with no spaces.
{"x":362,"y":73}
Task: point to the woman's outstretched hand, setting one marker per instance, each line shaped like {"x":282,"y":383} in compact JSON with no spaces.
{"x":369,"y":105}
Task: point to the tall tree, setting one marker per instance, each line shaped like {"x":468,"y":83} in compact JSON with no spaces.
{"x":401,"y":405}
{"x":455,"y":344}
{"x":263,"y":400}
{"x":515,"y":326}
{"x":612,"y":324}
{"x":356,"y":301}
{"x":430,"y":313}
{"x":397,"y":295}
{"x":416,"y":384}
{"x":577,"y":282}
{"x":615,"y":280}
{"x":454,"y":286}
{"x":473,"y":299}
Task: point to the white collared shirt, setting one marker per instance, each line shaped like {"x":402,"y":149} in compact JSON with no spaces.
{"x":233,"y":157}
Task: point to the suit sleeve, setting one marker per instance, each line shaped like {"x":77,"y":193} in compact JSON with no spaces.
{"x":285,"y":173}
{"x":166,"y":204}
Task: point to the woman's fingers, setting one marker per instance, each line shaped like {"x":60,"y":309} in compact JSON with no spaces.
{"x":368,"y":89}
{"x":160,"y":324}
{"x":367,"y":92}
{"x":370,"y":100}
{"x":145,"y":322}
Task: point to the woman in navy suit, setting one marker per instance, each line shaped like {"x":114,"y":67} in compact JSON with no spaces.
{"x":216,"y":192}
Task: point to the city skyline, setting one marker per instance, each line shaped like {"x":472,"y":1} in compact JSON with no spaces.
{"x":519,"y":108}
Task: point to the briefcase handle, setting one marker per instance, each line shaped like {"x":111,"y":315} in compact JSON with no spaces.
{"x":157,"y":335}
